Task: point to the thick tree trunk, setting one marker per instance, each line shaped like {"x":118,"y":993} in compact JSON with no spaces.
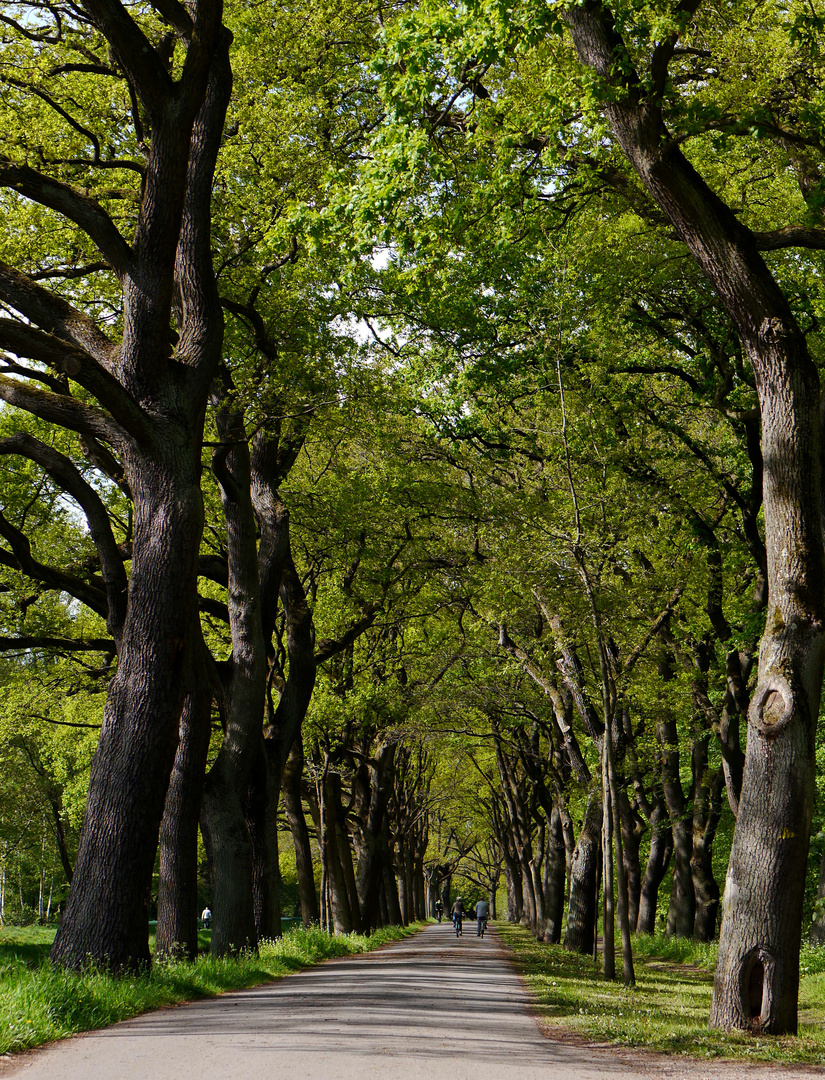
{"x":229,"y":852}
{"x":403,"y":890}
{"x":446,"y":888}
{"x":555,"y":868}
{"x":177,"y":930}
{"x":632,"y":832}
{"x":107,"y":913}
{"x":582,"y":911}
{"x":261,"y":813}
{"x":680,"y":916}
{"x":374,"y":858}
{"x":621,"y":879}
{"x":419,"y":881}
{"x":300,"y":834}
{"x":608,"y":890}
{"x":515,"y":897}
{"x":393,"y":915}
{"x":342,"y":839}
{"x":339,"y":897}
{"x":661,"y":850}
{"x":707,"y":808}
{"x":240,"y":761}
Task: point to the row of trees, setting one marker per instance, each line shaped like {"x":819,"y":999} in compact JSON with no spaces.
{"x":325,"y":411}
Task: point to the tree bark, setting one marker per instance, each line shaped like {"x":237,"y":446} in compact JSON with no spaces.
{"x":225,"y":805}
{"x":177,"y":929}
{"x":300,"y":834}
{"x":632,"y":832}
{"x":374,"y":857}
{"x":708,"y":790}
{"x":681,"y":912}
{"x":555,"y":867}
{"x":261,"y":813}
{"x":582,"y":910}
{"x":661,"y":850}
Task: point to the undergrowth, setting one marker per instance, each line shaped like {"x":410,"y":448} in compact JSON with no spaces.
{"x":40,"y":1003}
{"x":667,"y":1011}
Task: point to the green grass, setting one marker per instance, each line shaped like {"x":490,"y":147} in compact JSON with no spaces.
{"x":668,"y":1009}
{"x":39,"y":1003}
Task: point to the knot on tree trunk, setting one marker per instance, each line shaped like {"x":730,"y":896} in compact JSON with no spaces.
{"x":773,"y":329}
{"x":772,"y":706}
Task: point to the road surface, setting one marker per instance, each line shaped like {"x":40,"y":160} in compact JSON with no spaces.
{"x":432,"y":1006}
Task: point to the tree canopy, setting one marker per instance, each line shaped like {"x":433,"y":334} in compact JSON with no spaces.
{"x":411,"y":447}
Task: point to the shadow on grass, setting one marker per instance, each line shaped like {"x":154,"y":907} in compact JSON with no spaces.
{"x":667,"y":1011}
{"x":31,"y":954}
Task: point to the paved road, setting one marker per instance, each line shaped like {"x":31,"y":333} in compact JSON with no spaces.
{"x":431,"y":1006}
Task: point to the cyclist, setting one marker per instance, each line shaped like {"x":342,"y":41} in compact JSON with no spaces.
{"x":439,"y":909}
{"x":458,"y":915}
{"x":482,"y":910}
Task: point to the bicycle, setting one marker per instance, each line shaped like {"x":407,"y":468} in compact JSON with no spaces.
{"x":482,"y":925}
{"x":458,"y":929}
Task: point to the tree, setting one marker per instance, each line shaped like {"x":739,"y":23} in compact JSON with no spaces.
{"x":137,"y":399}
{"x":757,"y":975}
{"x":663,"y":91}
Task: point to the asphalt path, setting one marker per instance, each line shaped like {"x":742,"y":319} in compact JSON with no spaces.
{"x":430,"y":1006}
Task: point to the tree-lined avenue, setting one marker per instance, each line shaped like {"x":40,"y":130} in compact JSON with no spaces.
{"x":431,"y":1005}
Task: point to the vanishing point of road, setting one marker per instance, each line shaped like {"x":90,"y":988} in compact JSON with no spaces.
{"x":432,"y":1006}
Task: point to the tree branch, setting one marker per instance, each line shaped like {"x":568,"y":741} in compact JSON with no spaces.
{"x":63,"y":471}
{"x":790,"y":236}
{"x":134,"y":52}
{"x":60,"y":409}
{"x":78,"y":365}
{"x":85,"y":212}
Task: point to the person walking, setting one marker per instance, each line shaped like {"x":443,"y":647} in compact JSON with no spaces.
{"x":206,"y":917}
{"x":482,"y":910}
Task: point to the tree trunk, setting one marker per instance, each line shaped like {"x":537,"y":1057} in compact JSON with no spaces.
{"x":177,"y":929}
{"x":261,"y":812}
{"x":582,"y":910}
{"x":555,"y":867}
{"x":344,"y":851}
{"x":661,"y":850}
{"x":632,"y":832}
{"x":389,"y":883}
{"x":342,"y":915}
{"x":107,"y":912}
{"x":608,"y":892}
{"x":621,"y":880}
{"x":681,"y":912}
{"x":374,"y":859}
{"x":707,"y":809}
{"x":300,"y":834}
{"x":240,"y":760}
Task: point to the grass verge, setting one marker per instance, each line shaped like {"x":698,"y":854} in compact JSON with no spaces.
{"x":667,"y":1011}
{"x":40,"y":1003}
